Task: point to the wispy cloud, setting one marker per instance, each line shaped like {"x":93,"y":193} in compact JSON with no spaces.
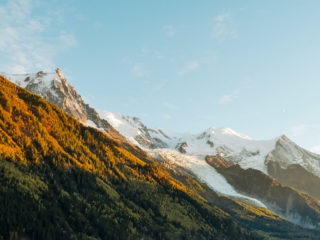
{"x":299,"y":130}
{"x":169,"y":30}
{"x":166,"y":116}
{"x":152,"y":53}
{"x":28,"y":41}
{"x":170,"y":106}
{"x":189,"y":67}
{"x":304,"y":129}
{"x":67,"y":40}
{"x":228,"y":97}
{"x":223,"y":27}
{"x":139,"y":70}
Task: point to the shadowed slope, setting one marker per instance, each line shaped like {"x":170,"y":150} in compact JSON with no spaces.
{"x":286,"y":201}
{"x":62,"y":180}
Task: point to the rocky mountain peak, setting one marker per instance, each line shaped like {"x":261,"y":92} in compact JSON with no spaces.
{"x":59,"y":73}
{"x":55,"y":88}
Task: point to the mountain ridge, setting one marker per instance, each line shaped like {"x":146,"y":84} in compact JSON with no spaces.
{"x":60,"y":179}
{"x":238,"y":148}
{"x":63,"y":180}
{"x":188,"y":151}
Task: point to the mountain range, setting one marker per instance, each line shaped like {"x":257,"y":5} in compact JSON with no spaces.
{"x":265,"y":188}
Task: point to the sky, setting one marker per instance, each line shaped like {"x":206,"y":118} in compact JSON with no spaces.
{"x":182,"y":65}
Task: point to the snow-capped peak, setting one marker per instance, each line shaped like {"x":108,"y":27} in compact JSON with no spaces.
{"x":235,"y":147}
{"x":40,"y":78}
{"x":135,"y":131}
{"x":55,"y":88}
{"x":287,"y":153}
{"x":226,"y":132}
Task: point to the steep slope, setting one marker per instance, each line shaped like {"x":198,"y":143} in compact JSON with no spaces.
{"x":235,"y":147}
{"x":288,"y":202}
{"x":279,"y":158}
{"x":297,"y":177}
{"x":288,"y":153}
{"x":55,"y":88}
{"x":238,"y":148}
{"x":294,"y":166}
{"x":135,"y":131}
{"x":62,"y":180}
{"x":199,"y":168}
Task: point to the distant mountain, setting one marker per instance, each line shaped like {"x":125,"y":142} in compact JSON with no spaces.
{"x":235,"y":147}
{"x":279,"y":158}
{"x":60,"y":179}
{"x":289,"y":202}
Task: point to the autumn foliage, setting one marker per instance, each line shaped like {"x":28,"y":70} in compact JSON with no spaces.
{"x":60,"y":179}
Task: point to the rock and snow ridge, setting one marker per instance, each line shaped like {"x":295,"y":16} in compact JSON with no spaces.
{"x":186,"y":150}
{"x":55,"y":88}
{"x":234,"y":147}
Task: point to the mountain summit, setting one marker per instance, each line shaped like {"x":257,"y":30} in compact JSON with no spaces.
{"x":278,"y":158}
{"x":55,"y":88}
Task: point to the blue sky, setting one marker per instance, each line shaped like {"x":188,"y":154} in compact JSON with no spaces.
{"x":186,"y":65}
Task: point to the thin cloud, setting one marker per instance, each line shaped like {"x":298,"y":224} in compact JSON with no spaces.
{"x":24,"y":43}
{"x":228,"y":97}
{"x":158,"y":54}
{"x":169,"y":30}
{"x":189,"y":67}
{"x":152,"y":53}
{"x":67,"y":40}
{"x":299,"y":130}
{"x":223,"y":27}
{"x":166,"y":116}
{"x":139,"y":70}
{"x":170,"y":106}
{"x":304,"y":129}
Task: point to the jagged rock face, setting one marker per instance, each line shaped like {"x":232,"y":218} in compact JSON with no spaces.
{"x":64,"y":96}
{"x":54,"y":88}
{"x":144,"y":137}
{"x":217,"y":161}
{"x":287,"y":153}
{"x":297,"y":177}
{"x":135,"y":131}
{"x":288,"y":202}
{"x":182,"y":147}
{"x":229,"y":147}
{"x":210,"y":143}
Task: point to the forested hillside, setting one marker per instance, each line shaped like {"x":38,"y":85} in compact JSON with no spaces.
{"x":62,"y":180}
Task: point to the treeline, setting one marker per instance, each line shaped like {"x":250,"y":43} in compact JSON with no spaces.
{"x":62,"y":180}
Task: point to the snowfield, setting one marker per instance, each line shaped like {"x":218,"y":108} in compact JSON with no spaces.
{"x":204,"y":172}
{"x":234,"y":147}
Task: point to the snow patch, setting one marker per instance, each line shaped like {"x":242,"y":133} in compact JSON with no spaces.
{"x":91,"y":124}
{"x":204,"y":172}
